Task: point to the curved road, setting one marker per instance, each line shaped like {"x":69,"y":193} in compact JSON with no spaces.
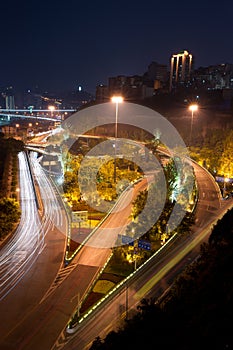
{"x":32,"y":258}
{"x":158,"y":274}
{"x":20,"y":252}
{"x":40,"y":328}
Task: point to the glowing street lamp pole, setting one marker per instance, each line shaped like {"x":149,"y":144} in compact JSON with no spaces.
{"x":116,"y":100}
{"x":17,"y":127}
{"x":192,"y":108}
{"x":52,"y":109}
{"x":226,"y":180}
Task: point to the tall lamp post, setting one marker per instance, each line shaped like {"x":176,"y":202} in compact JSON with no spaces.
{"x":17,"y":127}
{"x":116,"y":100}
{"x":52,"y":109}
{"x":226,"y":180}
{"x":193,"y":108}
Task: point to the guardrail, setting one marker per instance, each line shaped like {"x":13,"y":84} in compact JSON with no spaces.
{"x":32,"y":178}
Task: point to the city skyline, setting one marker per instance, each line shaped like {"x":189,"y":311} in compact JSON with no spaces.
{"x":60,"y":46}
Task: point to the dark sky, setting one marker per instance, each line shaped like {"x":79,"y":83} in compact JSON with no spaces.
{"x":59,"y":45}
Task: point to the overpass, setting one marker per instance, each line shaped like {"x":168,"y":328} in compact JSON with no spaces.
{"x":40,"y":149}
{"x":43,"y":114}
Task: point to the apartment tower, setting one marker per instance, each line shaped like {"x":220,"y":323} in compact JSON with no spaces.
{"x":180,"y":68}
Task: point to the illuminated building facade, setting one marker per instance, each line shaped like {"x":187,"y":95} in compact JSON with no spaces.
{"x":181,"y":67}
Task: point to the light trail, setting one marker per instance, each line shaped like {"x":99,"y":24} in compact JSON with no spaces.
{"x":29,"y":239}
{"x":52,"y":208}
{"x":20,"y":252}
{"x":49,"y":115}
{"x":30,"y":116}
{"x":37,"y":110}
{"x":171,"y":263}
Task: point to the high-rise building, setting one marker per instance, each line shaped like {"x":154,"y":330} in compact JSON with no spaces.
{"x":180,"y":68}
{"x":8,"y":94}
{"x":157,"y":71}
{"x":10,"y":102}
{"x":102,"y":93}
{"x":156,"y":76}
{"x":130,"y":87}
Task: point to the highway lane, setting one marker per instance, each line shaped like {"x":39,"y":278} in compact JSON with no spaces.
{"x":21,"y":250}
{"x":46,"y":250}
{"x":209,"y":196}
{"x":49,"y":197}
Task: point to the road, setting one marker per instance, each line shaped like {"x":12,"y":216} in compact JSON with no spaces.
{"x":20,"y":252}
{"x":116,"y":223}
{"x":158,"y":274}
{"x":32,"y":258}
{"x":40,"y":328}
{"x":42,"y":325}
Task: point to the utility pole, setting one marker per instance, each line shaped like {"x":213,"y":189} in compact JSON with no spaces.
{"x":126,"y":302}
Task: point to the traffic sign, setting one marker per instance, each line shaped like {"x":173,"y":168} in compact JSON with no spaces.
{"x":78,"y":216}
{"x":144,"y":244}
{"x":223,"y":179}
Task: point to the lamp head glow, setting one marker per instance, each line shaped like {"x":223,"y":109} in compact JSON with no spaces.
{"x":117,"y":99}
{"x":193,"y":108}
{"x":51,"y":108}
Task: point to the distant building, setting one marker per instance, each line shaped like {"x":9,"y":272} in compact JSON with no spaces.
{"x":181,"y":65}
{"x":214,"y":77}
{"x":156,"y":75}
{"x":128,"y":86}
{"x":76,"y":98}
{"x":8,"y":130}
{"x":132,"y":88}
{"x":7,"y":94}
{"x":102,"y":93}
{"x":10,"y":102}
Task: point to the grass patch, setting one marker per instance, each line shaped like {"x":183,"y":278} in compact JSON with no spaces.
{"x":103,"y":286}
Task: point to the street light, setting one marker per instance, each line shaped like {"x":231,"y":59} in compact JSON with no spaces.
{"x":17,"y":127}
{"x":116,"y":100}
{"x":51,"y":108}
{"x":193,"y":108}
{"x":226,"y":180}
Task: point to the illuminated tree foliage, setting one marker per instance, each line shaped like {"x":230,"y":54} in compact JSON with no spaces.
{"x":180,"y":191}
{"x":8,"y":164}
{"x":126,"y":171}
{"x":71,"y":186}
{"x":9,"y":215}
{"x":226,"y":160}
{"x":216,"y":152}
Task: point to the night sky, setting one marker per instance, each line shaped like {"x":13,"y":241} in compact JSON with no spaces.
{"x":58,"y":45}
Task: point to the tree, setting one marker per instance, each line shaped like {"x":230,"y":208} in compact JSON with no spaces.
{"x":226,"y":160}
{"x":9,"y":215}
{"x":97,"y":344}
